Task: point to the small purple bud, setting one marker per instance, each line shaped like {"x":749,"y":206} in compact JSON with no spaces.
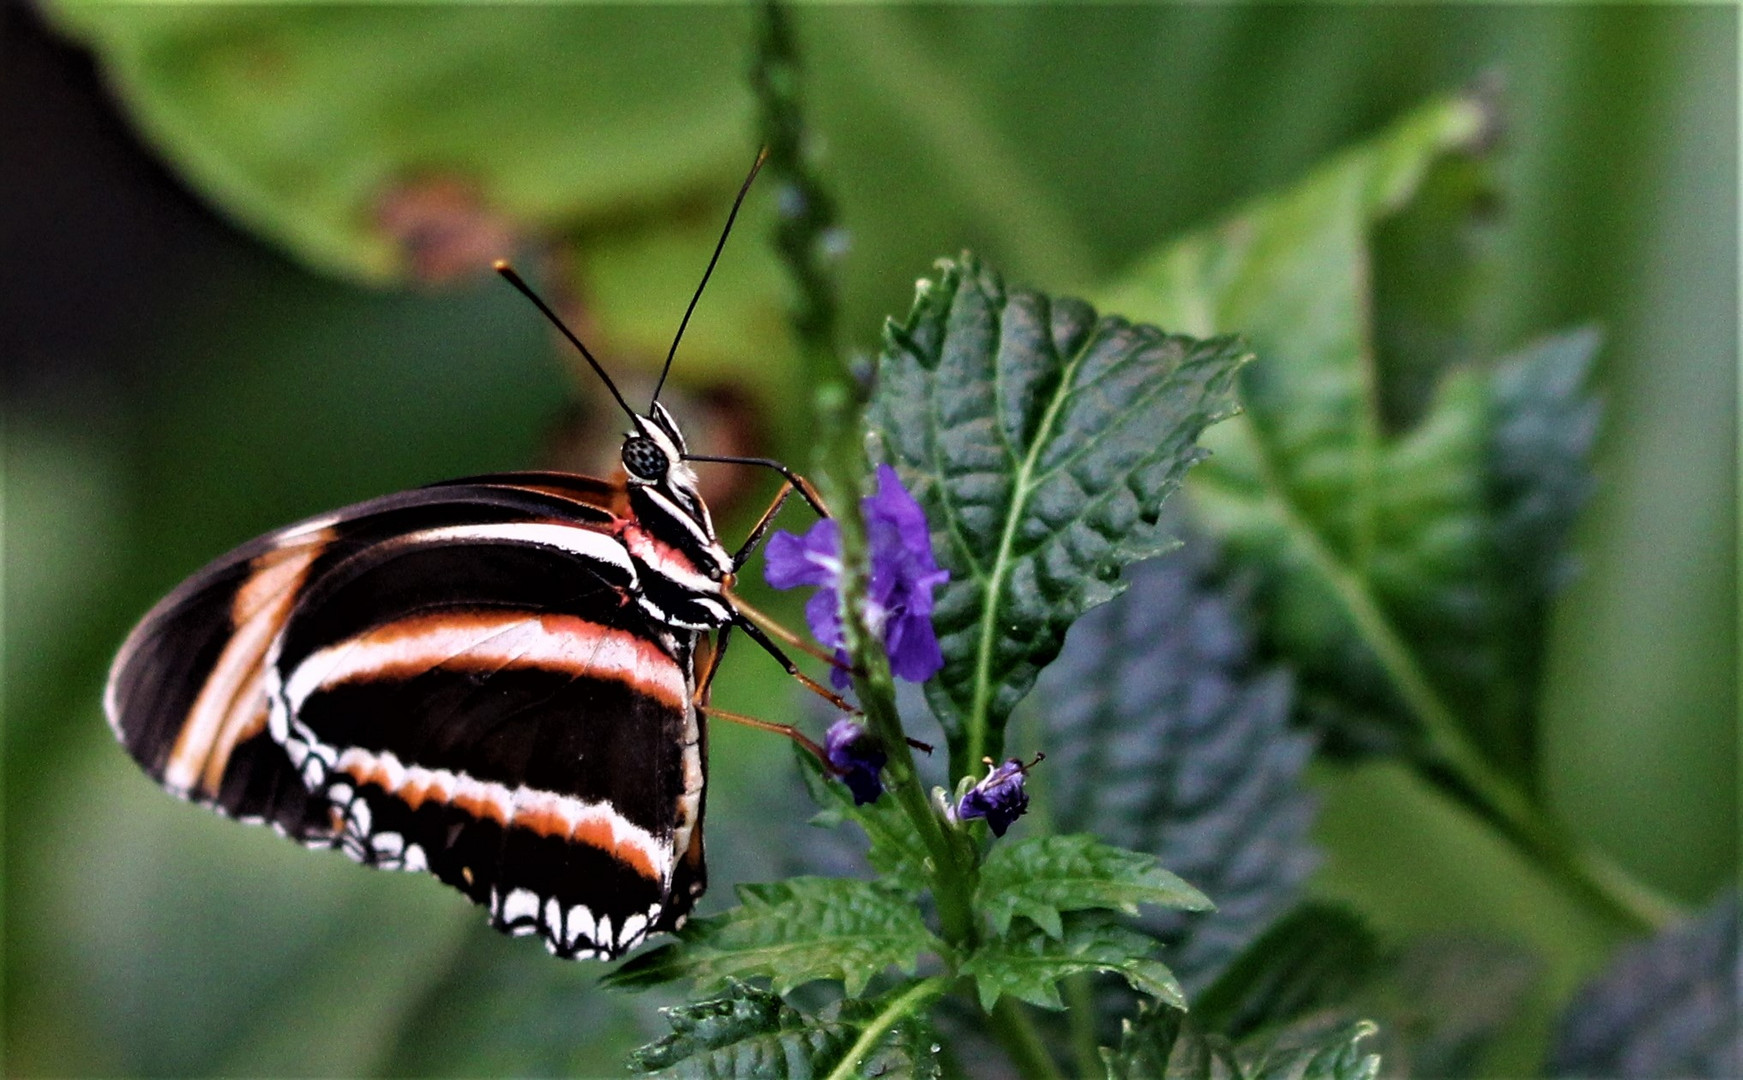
{"x":856,"y":757}
{"x":998,"y":797}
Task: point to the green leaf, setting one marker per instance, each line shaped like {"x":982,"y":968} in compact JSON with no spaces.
{"x":1028,"y":963}
{"x":896,"y":852}
{"x":750,"y":1032}
{"x":1165,"y":734}
{"x":1163,"y":1044}
{"x":1040,"y":877}
{"x":1374,"y":548}
{"x":304,"y":122}
{"x":1312,"y":1052}
{"x":792,"y":932}
{"x":1041,"y":442}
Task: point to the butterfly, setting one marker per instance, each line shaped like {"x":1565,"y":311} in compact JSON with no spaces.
{"x":501,"y":681}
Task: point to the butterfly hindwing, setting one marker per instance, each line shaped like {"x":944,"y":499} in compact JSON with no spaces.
{"x":453,"y":680}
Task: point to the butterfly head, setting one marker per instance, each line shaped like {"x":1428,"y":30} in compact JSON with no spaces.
{"x":654,"y":452}
{"x":654,"y":466}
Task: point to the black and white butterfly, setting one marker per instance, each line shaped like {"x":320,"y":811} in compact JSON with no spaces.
{"x":500,"y":681}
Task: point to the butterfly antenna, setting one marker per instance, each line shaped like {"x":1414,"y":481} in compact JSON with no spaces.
{"x":526,"y":290}
{"x":743,"y":190}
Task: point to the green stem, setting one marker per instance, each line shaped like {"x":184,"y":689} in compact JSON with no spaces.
{"x":1080,"y":1015}
{"x":1519,"y":819}
{"x":1010,"y":1025}
{"x":907,"y":1003}
{"x":952,"y":878}
{"x":841,"y":457}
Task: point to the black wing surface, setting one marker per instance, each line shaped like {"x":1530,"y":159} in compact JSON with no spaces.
{"x":452,"y":679}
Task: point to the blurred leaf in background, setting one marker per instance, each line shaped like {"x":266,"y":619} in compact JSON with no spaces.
{"x":174,"y":386}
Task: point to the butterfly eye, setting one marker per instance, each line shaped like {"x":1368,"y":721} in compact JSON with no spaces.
{"x":644,"y":459}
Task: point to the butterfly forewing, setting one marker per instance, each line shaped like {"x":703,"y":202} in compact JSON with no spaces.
{"x":457,"y":680}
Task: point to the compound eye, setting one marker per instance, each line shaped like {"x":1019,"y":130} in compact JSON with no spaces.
{"x":644,"y":459}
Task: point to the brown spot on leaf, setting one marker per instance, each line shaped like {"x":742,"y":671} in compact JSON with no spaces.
{"x":444,"y":228}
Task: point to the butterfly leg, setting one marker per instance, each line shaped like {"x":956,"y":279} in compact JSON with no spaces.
{"x":702,"y":687}
{"x":772,"y":626}
{"x":788,"y":730}
{"x":756,"y":634}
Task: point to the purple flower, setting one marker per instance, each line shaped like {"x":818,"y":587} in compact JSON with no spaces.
{"x":898,"y":603}
{"x":856,"y":757}
{"x":998,"y":797}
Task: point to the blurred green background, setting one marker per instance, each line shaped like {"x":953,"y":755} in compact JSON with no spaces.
{"x":233,"y":295}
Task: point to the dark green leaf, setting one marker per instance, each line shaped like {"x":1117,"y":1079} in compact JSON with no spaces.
{"x":1028,"y":963}
{"x":792,"y":932}
{"x":1315,"y":957}
{"x":1041,"y":441}
{"x":1314,"y":1052}
{"x":1165,"y":735}
{"x":1147,"y":1041}
{"x":1375,"y":548}
{"x":1040,"y":877}
{"x":290,"y":120}
{"x":896,"y":851}
{"x":1665,"y":1007}
{"x":1163,"y":1044}
{"x":749,"y":1032}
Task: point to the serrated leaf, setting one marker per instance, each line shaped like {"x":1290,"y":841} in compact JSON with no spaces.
{"x":792,"y":932}
{"x":1311,"y":1052}
{"x":895,"y":851}
{"x":750,"y":1032}
{"x":1147,"y":1041}
{"x":1165,"y":735}
{"x":1164,"y":1044}
{"x":1375,"y":548}
{"x":1041,"y":441}
{"x":1028,"y":963}
{"x":1665,"y":1007}
{"x":1041,"y":877}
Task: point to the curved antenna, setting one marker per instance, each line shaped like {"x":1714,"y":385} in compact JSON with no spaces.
{"x":743,"y":190}
{"x":526,"y":290}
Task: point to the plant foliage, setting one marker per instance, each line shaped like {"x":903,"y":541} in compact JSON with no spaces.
{"x":1167,"y":735}
{"x":1162,"y":1044}
{"x":793,"y":932}
{"x":1041,"y":441}
{"x":749,"y":1032}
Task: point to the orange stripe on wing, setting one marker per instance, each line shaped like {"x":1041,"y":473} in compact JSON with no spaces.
{"x":493,"y":641}
{"x":231,"y":705}
{"x":544,"y":813}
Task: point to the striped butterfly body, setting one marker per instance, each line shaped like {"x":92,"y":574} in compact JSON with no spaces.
{"x":491,"y":680}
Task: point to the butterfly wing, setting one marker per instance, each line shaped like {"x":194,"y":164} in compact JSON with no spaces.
{"x":452,"y":680}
